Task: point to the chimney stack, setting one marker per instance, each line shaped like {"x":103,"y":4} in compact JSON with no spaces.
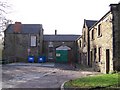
{"x":114,"y":7}
{"x":17,"y":27}
{"x":55,"y":32}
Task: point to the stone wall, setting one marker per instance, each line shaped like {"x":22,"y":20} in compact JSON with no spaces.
{"x":16,"y":47}
{"x":85,"y":45}
{"x":81,"y":58}
{"x":115,"y":8}
{"x":71,"y":44}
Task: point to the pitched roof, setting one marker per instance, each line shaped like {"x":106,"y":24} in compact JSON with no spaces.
{"x":90,"y":23}
{"x":101,"y":19}
{"x":63,"y":48}
{"x":25,"y":28}
{"x":60,"y":37}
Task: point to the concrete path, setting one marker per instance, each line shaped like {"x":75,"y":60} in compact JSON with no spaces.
{"x":49,"y":75}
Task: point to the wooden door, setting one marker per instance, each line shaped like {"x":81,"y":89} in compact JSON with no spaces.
{"x":107,"y":60}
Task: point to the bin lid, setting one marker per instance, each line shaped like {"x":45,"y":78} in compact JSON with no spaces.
{"x":63,"y":48}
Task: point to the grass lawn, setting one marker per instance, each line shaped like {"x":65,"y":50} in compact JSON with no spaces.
{"x":105,"y":80}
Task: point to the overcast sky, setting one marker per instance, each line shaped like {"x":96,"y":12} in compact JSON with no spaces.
{"x":66,"y":16}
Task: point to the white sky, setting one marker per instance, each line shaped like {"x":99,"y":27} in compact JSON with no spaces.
{"x":66,"y":16}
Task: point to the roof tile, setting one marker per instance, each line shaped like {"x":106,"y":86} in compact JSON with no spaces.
{"x":60,"y":37}
{"x":26,"y":28}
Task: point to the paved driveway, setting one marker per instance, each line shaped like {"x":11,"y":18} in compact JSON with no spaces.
{"x":50,"y":75}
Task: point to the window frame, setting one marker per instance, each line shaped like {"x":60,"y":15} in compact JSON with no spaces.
{"x":35,"y":41}
{"x":80,"y":44}
{"x":99,"y":33}
{"x":84,"y":38}
{"x":95,"y":52}
{"x":92,"y":34}
{"x":99,"y":53}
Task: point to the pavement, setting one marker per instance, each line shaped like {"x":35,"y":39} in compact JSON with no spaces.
{"x":40,"y":75}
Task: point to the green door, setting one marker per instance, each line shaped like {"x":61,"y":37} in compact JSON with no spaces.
{"x":61,"y":56}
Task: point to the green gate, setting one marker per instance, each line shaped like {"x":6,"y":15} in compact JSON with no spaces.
{"x":62,"y":56}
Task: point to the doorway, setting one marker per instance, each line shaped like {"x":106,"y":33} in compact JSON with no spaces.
{"x":107,"y":60}
{"x":91,"y":57}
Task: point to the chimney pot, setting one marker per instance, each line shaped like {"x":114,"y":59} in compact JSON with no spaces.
{"x":17,"y":22}
{"x":17,"y":27}
{"x":55,"y":32}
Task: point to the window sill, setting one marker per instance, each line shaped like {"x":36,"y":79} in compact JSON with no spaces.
{"x":99,"y":35}
{"x":92,"y":39}
{"x":33,"y":46}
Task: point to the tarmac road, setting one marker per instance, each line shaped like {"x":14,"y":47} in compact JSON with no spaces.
{"x":50,"y":75}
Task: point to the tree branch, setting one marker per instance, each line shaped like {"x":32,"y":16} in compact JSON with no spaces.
{"x":3,"y":10}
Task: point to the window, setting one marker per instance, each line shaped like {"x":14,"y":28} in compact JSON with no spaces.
{"x":84,"y":36}
{"x":99,"y":30}
{"x":33,"y":41}
{"x":100,"y":53}
{"x":50,"y":50}
{"x":95,"y":51}
{"x":91,"y":57}
{"x":80,"y":44}
{"x":84,"y":45}
{"x":50,"y":44}
{"x":50,"y":53}
{"x":92,"y":35}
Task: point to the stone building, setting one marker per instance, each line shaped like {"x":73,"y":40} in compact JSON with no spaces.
{"x":101,"y":41}
{"x":83,"y":43}
{"x":51,"y":42}
{"x":115,"y":10}
{"x":101,"y":49}
{"x":105,"y":41}
{"x":98,"y":47}
{"x":22,"y":40}
{"x":79,"y":50}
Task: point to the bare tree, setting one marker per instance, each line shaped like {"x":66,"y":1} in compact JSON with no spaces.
{"x":3,"y":11}
{"x":4,"y":22}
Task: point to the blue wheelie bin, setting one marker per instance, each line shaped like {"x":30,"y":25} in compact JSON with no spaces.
{"x":41,"y":59}
{"x":31,"y":59}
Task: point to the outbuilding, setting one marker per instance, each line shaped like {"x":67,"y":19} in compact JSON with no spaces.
{"x":21,"y":41}
{"x":63,"y":54}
